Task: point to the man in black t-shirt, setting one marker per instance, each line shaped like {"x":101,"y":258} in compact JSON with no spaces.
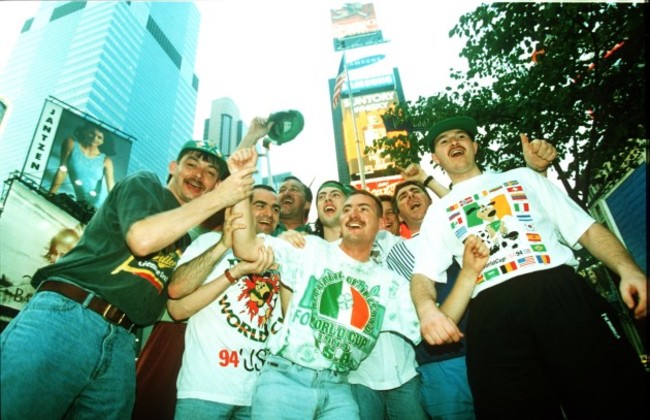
{"x":72,"y":349}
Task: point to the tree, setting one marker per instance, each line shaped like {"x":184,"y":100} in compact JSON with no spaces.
{"x":573,"y":73}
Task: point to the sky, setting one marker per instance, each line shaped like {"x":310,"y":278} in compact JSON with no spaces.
{"x":278,"y":54}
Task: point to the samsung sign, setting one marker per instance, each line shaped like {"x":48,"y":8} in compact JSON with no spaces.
{"x":366,"y":61}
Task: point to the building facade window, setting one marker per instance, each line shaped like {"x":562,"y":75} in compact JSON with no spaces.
{"x":66,"y":9}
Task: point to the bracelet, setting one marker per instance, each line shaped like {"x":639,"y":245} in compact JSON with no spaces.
{"x":427,"y":180}
{"x":229,"y":276}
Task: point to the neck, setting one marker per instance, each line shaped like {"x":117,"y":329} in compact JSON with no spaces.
{"x":357,"y":251}
{"x":464,"y":176}
{"x":331,"y":233}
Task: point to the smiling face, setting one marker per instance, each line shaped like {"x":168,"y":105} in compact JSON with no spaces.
{"x":265,"y":208}
{"x":412,"y":205}
{"x":329,"y":204}
{"x":390,"y":218}
{"x":192,"y":177}
{"x":361,"y":219}
{"x":455,"y":151}
{"x":293,"y":201}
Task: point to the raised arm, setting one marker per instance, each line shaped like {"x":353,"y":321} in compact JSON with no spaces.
{"x":414,"y":172}
{"x":245,"y":242}
{"x":538,"y":154}
{"x":190,"y":275}
{"x":475,"y":256}
{"x":160,"y":230}
{"x":439,"y":324}
{"x":205,"y":294}
{"x":606,"y":247}
{"x":259,"y":128}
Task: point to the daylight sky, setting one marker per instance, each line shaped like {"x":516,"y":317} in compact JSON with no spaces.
{"x":275,"y":55}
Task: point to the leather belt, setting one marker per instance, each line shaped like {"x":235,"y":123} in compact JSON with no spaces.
{"x":107,"y":311}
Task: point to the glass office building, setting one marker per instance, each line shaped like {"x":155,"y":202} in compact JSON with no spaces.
{"x":127,"y":64}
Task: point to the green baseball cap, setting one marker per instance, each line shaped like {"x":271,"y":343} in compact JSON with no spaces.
{"x":467,"y":124}
{"x":286,"y":125}
{"x":209,"y":148}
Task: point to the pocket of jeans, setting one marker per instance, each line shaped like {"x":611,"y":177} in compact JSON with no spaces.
{"x":278,"y":365}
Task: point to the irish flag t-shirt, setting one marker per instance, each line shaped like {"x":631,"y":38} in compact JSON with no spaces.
{"x":339,"y":306}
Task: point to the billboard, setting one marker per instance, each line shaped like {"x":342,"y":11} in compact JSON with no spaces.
{"x":355,"y":25}
{"x":35,"y":232}
{"x":368,"y":109}
{"x":76,"y":154}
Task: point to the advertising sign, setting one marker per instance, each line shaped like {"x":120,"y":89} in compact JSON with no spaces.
{"x":355,"y":25}
{"x":368,"y":110}
{"x":35,"y":232}
{"x":76,"y":155}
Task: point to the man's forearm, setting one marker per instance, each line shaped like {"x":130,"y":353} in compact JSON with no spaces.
{"x":190,"y":275}
{"x":187,"y":306}
{"x":606,"y":247}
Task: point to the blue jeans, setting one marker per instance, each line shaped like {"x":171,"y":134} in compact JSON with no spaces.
{"x":196,"y":409}
{"x":402,"y":402}
{"x":60,"y":359}
{"x":286,"y":390}
{"x":445,"y":390}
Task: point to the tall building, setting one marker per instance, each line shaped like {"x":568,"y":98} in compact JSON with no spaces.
{"x":128,"y":64}
{"x":225,"y":127}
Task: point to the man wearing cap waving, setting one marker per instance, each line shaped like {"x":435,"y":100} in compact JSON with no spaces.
{"x":71,"y":351}
{"x":540,"y":341}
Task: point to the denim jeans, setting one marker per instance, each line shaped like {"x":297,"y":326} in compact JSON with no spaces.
{"x":402,"y":402}
{"x":196,"y":409}
{"x":60,"y":359}
{"x":286,"y":390}
{"x":445,"y":390}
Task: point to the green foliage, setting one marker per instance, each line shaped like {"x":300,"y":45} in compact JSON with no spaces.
{"x":591,"y":107}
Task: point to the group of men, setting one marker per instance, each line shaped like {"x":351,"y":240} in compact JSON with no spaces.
{"x":286,"y":324}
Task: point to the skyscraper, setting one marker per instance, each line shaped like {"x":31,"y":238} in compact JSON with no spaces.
{"x":127,"y":64}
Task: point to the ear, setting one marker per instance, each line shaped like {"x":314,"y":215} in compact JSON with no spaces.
{"x":382,"y":223}
{"x":475,"y":146}
{"x":172,"y":167}
{"x":434,"y":158}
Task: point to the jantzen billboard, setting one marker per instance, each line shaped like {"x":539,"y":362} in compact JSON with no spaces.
{"x":76,"y":155}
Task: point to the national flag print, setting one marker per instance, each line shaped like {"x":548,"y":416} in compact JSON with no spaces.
{"x":533,"y":237}
{"x":455,"y":215}
{"x":460,"y":233}
{"x":338,"y":84}
{"x":518,"y":196}
{"x":509,"y":183}
{"x":452,"y":208}
{"x":345,"y":304}
{"x":524,"y":217}
{"x":515,"y":188}
{"x":543,"y":259}
{"x":491,"y":274}
{"x":526,"y":261}
{"x":521,"y":207}
{"x":508,"y":267}
{"x":538,"y":248}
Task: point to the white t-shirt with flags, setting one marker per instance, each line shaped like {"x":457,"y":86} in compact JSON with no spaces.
{"x":225,"y":342}
{"x":522,"y":217}
{"x":339,"y":306}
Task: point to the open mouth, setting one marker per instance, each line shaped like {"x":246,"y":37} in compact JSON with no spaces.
{"x":194,"y":185}
{"x":329,"y":210}
{"x":355,"y":225}
{"x":456,"y":151}
{"x":415,"y":205}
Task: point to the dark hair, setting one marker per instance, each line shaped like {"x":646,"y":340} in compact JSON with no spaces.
{"x":305,"y":189}
{"x":385,"y":197}
{"x":81,"y":135}
{"x":380,"y":208}
{"x":405,"y":184}
{"x":264,"y":187}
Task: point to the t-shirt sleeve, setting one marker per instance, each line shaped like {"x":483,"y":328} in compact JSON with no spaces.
{"x":199,"y":246}
{"x":570,"y":219}
{"x":432,"y":256}
{"x":140,"y":195}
